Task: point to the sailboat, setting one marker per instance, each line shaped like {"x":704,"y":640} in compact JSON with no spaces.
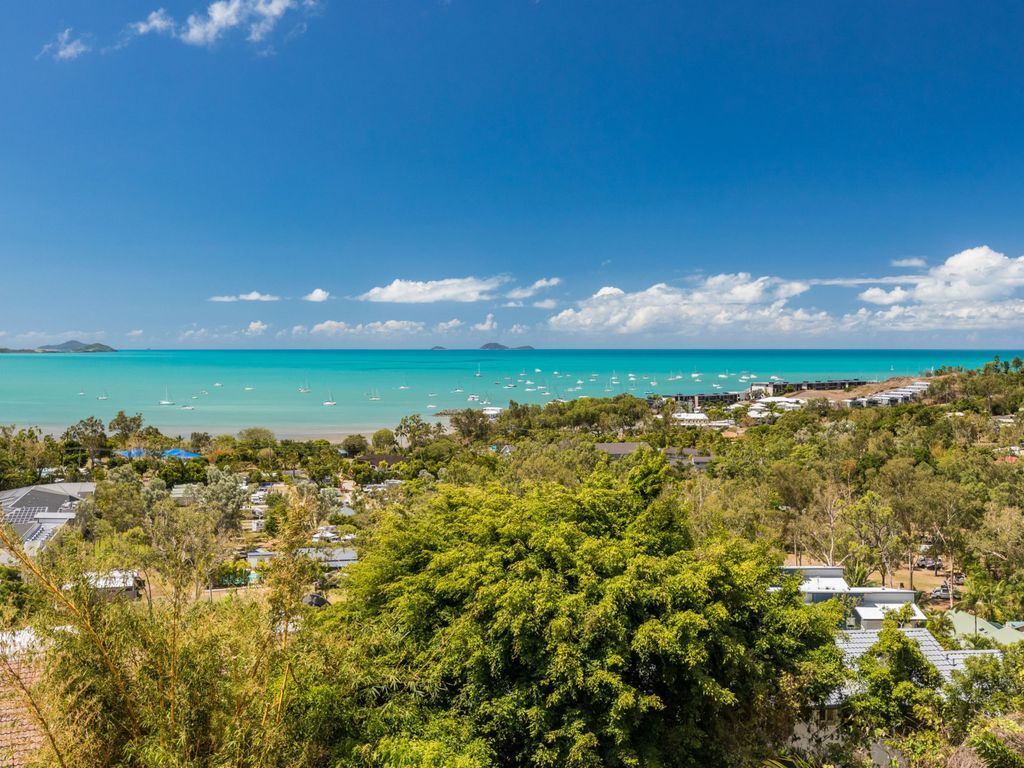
{"x":304,"y":389}
{"x":81,"y":393}
{"x":217,"y":384}
{"x":330,"y":400}
{"x":167,"y":398}
{"x":103,"y":396}
{"x":375,"y":395}
{"x":248,"y":387}
{"x":478,"y":370}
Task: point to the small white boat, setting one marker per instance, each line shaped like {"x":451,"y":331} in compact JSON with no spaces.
{"x":478,"y":370}
{"x":431,"y":405}
{"x":188,"y":407}
{"x":248,"y":387}
{"x":167,"y":398}
{"x":217,"y":384}
{"x":374,"y":395}
{"x":304,"y":389}
{"x":81,"y":393}
{"x":102,"y":397}
{"x":330,"y":400}
{"x":203,"y":392}
{"x":457,"y":390}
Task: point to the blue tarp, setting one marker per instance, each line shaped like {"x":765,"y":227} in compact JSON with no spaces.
{"x":132,"y":453}
{"x":180,"y":453}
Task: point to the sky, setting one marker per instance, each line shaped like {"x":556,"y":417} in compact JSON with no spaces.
{"x":410,"y":173}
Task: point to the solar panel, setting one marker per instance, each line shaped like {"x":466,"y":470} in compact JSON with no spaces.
{"x":23,"y":514}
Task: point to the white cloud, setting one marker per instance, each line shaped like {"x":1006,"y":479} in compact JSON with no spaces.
{"x":530,"y":290}
{"x":448,"y":325}
{"x":317,"y":295}
{"x":158,"y":22}
{"x":194,"y":333}
{"x":512,"y":304}
{"x":382,"y":327}
{"x":135,"y":333}
{"x":545,"y":304}
{"x":913,"y":261}
{"x":251,"y":296}
{"x":65,"y":47}
{"x":518,"y":328}
{"x":255,"y":328}
{"x":460,"y":289}
{"x":727,"y":300}
{"x":975,"y":289}
{"x":881,"y":296}
{"x":299,"y":330}
{"x":257,"y":18}
{"x":488,"y":324}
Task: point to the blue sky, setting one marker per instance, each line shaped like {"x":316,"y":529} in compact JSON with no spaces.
{"x":576,"y":174}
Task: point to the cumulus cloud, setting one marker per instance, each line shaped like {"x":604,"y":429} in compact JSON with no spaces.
{"x":251,"y":296}
{"x":135,"y":333}
{"x":534,"y":288}
{"x":971,"y":290}
{"x":881,"y":296}
{"x":255,"y":328}
{"x":459,"y":289}
{"x":719,"y":301}
{"x":518,"y":328}
{"x":448,"y":325}
{"x":381,"y":327}
{"x":487,"y":324}
{"x":65,"y":46}
{"x":299,"y":330}
{"x":545,"y":304}
{"x":317,"y":295}
{"x":912,"y":261}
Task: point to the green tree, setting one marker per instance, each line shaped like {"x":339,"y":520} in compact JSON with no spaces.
{"x":124,"y":428}
{"x":383,"y":440}
{"x":354,"y":444}
{"x":568,"y":627}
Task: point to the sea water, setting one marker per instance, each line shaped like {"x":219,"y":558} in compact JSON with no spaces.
{"x":374,"y":388}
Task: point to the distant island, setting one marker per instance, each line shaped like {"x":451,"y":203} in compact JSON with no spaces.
{"x":493,"y":345}
{"x":67,"y":346}
{"x":439,"y":349}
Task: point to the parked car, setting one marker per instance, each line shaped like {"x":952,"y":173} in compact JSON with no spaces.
{"x":942,"y":593}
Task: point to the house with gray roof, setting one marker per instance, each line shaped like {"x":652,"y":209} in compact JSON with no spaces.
{"x":37,"y":512}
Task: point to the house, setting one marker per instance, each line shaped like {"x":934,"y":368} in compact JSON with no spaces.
{"x":684,"y":419}
{"x":37,"y":512}
{"x":376,"y":459}
{"x":868,"y":604}
{"x":968,"y":625}
{"x":111,"y":585}
{"x":259,"y":556}
{"x":331,"y":558}
{"x":678,"y":457}
{"x":618,"y":450}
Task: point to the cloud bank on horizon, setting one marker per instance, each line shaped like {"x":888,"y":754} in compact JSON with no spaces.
{"x":976,"y":289}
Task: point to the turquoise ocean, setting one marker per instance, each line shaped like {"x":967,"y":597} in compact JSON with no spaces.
{"x":374,"y":388}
